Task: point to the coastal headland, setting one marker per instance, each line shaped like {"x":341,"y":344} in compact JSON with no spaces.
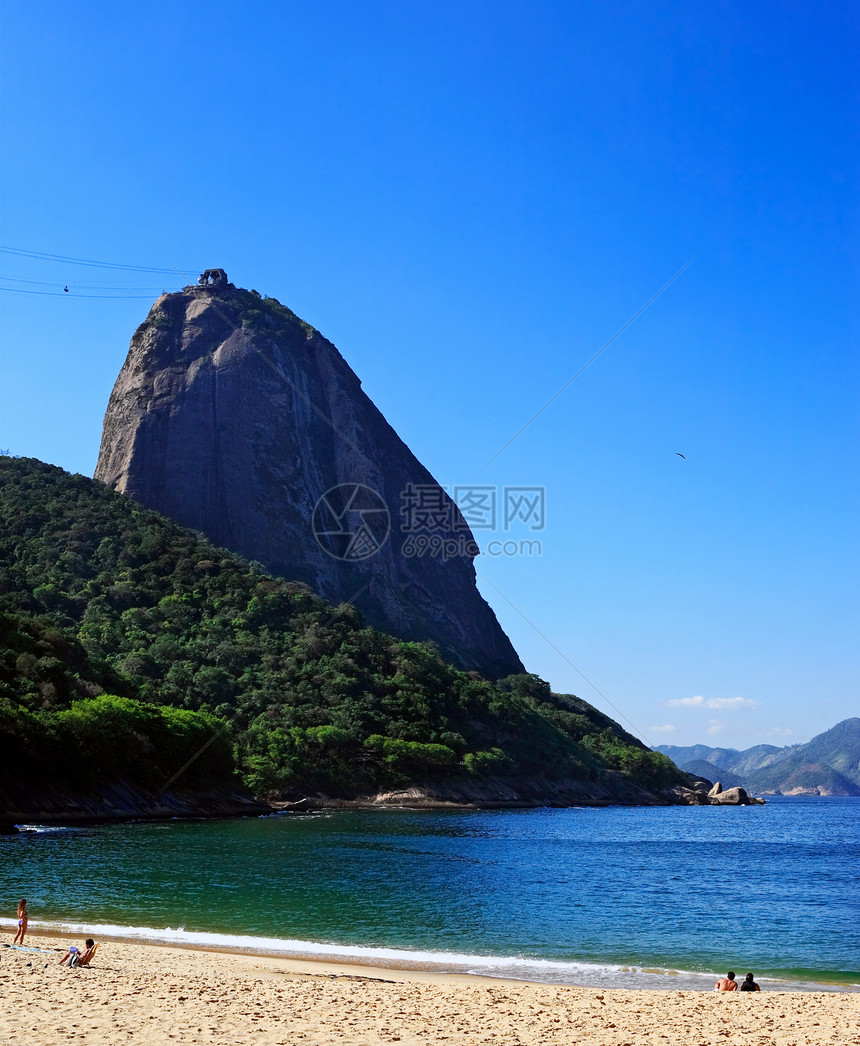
{"x":153,"y":994}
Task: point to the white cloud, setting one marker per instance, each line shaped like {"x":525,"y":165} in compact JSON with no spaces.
{"x":714,"y":727}
{"x":712,"y":702}
{"x":779,"y":731}
{"x":667,"y":729}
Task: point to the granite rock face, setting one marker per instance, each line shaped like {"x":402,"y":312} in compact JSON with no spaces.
{"x":235,"y":418}
{"x":719,"y":796}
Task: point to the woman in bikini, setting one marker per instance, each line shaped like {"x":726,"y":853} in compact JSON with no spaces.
{"x":22,"y":921}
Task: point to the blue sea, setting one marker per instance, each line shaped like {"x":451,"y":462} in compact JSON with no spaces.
{"x":617,"y":897}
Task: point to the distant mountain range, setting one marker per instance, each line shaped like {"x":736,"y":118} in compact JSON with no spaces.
{"x":829,"y":764}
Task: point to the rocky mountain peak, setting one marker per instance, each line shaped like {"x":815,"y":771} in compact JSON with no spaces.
{"x":236,"y":418}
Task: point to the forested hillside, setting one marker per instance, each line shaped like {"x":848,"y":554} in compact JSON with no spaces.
{"x":128,"y":642}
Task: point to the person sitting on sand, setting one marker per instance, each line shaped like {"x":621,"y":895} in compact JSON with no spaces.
{"x":22,"y":921}
{"x":75,"y":957}
{"x":748,"y":984}
{"x":727,"y":983}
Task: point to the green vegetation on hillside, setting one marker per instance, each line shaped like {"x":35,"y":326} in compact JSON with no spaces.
{"x":126,"y":640}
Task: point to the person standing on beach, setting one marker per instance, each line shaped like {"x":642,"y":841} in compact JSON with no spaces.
{"x":727,"y":983}
{"x":748,"y":984}
{"x":22,"y":921}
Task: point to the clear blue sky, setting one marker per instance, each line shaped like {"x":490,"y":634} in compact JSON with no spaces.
{"x":470,"y":199}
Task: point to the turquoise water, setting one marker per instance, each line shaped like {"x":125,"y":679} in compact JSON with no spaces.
{"x":621,"y":896}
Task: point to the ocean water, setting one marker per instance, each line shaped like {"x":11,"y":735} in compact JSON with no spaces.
{"x":617,"y":897}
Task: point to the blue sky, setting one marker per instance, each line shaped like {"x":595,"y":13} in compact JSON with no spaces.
{"x":470,"y":200}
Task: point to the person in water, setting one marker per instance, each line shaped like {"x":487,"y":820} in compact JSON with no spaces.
{"x":22,"y":921}
{"x":76,"y":957}
{"x":727,"y":983}
{"x":748,"y":984}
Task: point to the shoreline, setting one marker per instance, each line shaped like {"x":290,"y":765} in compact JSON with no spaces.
{"x":366,"y":961}
{"x":155,"y":993}
{"x":311,"y":967}
{"x":120,"y":802}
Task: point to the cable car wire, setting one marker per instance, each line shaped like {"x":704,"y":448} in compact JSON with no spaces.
{"x":79,"y":286}
{"x":69,"y":294}
{"x":43,"y":256}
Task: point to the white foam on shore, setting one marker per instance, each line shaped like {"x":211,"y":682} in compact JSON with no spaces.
{"x":43,"y":829}
{"x":520,"y":968}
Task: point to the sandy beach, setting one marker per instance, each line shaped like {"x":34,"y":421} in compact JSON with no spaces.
{"x":153,"y":994}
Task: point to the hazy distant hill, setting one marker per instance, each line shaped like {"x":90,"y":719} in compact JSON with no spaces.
{"x":717,"y":757}
{"x":725,"y":758}
{"x":703,"y":768}
{"x":839,"y":748}
{"x":798,"y":776}
{"x":829,"y":764}
{"x":760,"y":756}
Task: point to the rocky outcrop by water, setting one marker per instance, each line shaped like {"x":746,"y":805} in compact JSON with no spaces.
{"x":610,"y":789}
{"x":33,"y":803}
{"x":235,"y":418}
{"x":719,"y":796}
{"x":120,"y":801}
